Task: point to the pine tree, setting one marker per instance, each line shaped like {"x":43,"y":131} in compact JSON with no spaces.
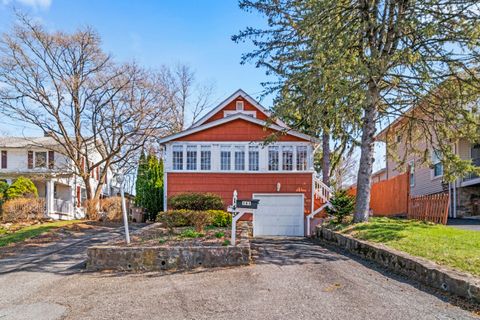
{"x":149,"y":185}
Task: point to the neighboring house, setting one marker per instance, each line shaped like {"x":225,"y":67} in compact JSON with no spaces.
{"x":379,"y":175}
{"x":52,"y":173}
{"x":427,"y":178}
{"x":224,"y":151}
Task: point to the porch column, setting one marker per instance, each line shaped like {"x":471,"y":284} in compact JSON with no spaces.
{"x":49,"y":196}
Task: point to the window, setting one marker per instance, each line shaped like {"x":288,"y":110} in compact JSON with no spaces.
{"x":205,"y":158}
{"x":4,"y":159}
{"x":239,"y":106}
{"x":411,"y":168}
{"x":191,"y":157}
{"x":287,"y":158}
{"x":239,"y":158}
{"x":399,"y":138}
{"x":437,"y":164}
{"x":40,"y":159}
{"x":302,"y":158}
{"x":225,"y":158}
{"x":177,"y":157}
{"x":253,"y":158}
{"x":273,"y":159}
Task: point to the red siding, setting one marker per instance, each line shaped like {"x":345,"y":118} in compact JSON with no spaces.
{"x":236,"y":130}
{"x":247,"y":106}
{"x":246,"y":184}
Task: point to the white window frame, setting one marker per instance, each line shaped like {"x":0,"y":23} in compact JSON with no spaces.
{"x":252,"y":150}
{"x":228,"y":149}
{"x":436,"y":159}
{"x":217,"y":146}
{"x":239,"y":105}
{"x":191,"y":148}
{"x":240,"y":149}
{"x":204,"y":149}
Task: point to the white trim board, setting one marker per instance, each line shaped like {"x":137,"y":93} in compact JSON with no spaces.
{"x":231,"y":98}
{"x":236,"y":116}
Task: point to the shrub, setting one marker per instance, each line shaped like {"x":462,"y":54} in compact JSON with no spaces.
{"x":190,"y":233}
{"x":23,"y":209}
{"x":342,"y":205}
{"x":92,"y":207}
{"x":22,"y":188}
{"x":200,"y":219}
{"x":175,"y":218}
{"x":219,"y":235}
{"x":196,"y":201}
{"x":112,"y":208}
{"x":220,"y":218}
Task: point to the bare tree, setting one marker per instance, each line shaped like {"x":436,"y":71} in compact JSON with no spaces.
{"x":187,"y":98}
{"x":65,"y":85}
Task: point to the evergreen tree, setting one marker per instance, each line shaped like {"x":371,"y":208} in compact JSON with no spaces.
{"x":149,"y":185}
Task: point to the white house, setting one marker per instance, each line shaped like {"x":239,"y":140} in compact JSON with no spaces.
{"x":52,"y":173}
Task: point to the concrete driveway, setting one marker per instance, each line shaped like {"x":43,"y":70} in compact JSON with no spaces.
{"x":291,"y":279}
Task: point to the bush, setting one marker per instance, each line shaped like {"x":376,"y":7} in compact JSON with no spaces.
{"x":196,"y":201}
{"x":220,"y":218}
{"x":112,"y":208}
{"x":200,"y":219}
{"x":22,"y":188}
{"x":92,"y":207}
{"x":23,"y":209}
{"x":342,"y":205}
{"x":175,"y":218}
{"x":190,"y":233}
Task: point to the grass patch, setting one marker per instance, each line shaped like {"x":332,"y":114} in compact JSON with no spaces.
{"x":219,"y":235}
{"x":28,"y":232}
{"x":456,"y":248}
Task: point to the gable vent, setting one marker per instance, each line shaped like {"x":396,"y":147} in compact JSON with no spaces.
{"x":239,"y":106}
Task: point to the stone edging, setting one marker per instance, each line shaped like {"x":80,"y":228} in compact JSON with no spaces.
{"x":421,"y":270}
{"x":131,"y":258}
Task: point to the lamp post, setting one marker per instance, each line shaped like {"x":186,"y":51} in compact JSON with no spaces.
{"x":121,"y":179}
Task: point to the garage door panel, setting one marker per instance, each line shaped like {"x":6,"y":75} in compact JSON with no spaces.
{"x":280,"y":215}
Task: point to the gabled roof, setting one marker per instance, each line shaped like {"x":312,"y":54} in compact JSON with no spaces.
{"x":233,"y":117}
{"x":24,"y":142}
{"x":231,"y":98}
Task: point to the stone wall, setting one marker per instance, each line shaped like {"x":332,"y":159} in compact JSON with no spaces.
{"x":418,"y":269}
{"x":137,"y":258}
{"x":468,"y":199}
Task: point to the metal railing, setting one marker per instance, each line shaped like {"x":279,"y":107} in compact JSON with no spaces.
{"x":321,"y":191}
{"x":471,"y":176}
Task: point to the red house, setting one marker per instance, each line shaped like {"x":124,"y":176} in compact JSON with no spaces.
{"x":224,"y":151}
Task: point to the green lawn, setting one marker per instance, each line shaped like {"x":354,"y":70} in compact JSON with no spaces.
{"x":445,"y":245}
{"x":30,"y":231}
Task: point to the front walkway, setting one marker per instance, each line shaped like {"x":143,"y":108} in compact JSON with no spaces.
{"x":291,"y":279}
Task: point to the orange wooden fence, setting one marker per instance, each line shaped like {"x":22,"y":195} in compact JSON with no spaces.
{"x":389,"y":197}
{"x":433,"y":208}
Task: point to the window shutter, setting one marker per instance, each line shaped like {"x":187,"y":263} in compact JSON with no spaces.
{"x":82,"y":163}
{"x":98,"y":173}
{"x":51,"y":159}
{"x":79,"y":200}
{"x":4,"y":159}
{"x":30,"y":159}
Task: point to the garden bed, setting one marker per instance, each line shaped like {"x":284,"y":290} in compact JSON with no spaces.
{"x":154,"y":248}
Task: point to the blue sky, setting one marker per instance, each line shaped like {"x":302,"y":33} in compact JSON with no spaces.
{"x":154,"y":33}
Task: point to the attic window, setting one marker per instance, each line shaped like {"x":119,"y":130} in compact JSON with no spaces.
{"x":239,"y":106}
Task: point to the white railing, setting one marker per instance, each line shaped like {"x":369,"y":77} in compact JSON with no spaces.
{"x":62,"y":206}
{"x":321,"y":190}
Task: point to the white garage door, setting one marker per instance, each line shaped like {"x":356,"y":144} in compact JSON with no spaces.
{"x":279,"y":215}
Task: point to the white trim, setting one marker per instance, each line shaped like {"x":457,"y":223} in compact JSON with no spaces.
{"x":227,"y":113}
{"x":231,"y":98}
{"x":235,"y":117}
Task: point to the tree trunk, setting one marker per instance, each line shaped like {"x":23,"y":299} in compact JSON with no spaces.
{"x":364,"y":178}
{"x":326,"y":157}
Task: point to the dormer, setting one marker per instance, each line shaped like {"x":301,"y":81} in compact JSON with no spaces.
{"x":238,"y":103}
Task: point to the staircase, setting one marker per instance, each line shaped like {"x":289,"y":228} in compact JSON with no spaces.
{"x":321,"y":199}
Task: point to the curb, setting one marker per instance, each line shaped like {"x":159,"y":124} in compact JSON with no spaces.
{"x":421,"y":270}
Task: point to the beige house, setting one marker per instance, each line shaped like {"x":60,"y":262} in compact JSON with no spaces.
{"x":426,"y":177}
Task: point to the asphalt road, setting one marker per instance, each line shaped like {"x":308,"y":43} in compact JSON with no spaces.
{"x":291,"y":279}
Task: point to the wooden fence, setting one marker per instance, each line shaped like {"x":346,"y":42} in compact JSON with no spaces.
{"x":389,"y":197}
{"x":433,"y":208}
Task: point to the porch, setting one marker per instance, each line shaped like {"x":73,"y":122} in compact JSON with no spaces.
{"x":59,"y":199}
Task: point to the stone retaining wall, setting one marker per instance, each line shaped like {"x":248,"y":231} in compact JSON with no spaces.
{"x":131,"y":258}
{"x":418,"y":269}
